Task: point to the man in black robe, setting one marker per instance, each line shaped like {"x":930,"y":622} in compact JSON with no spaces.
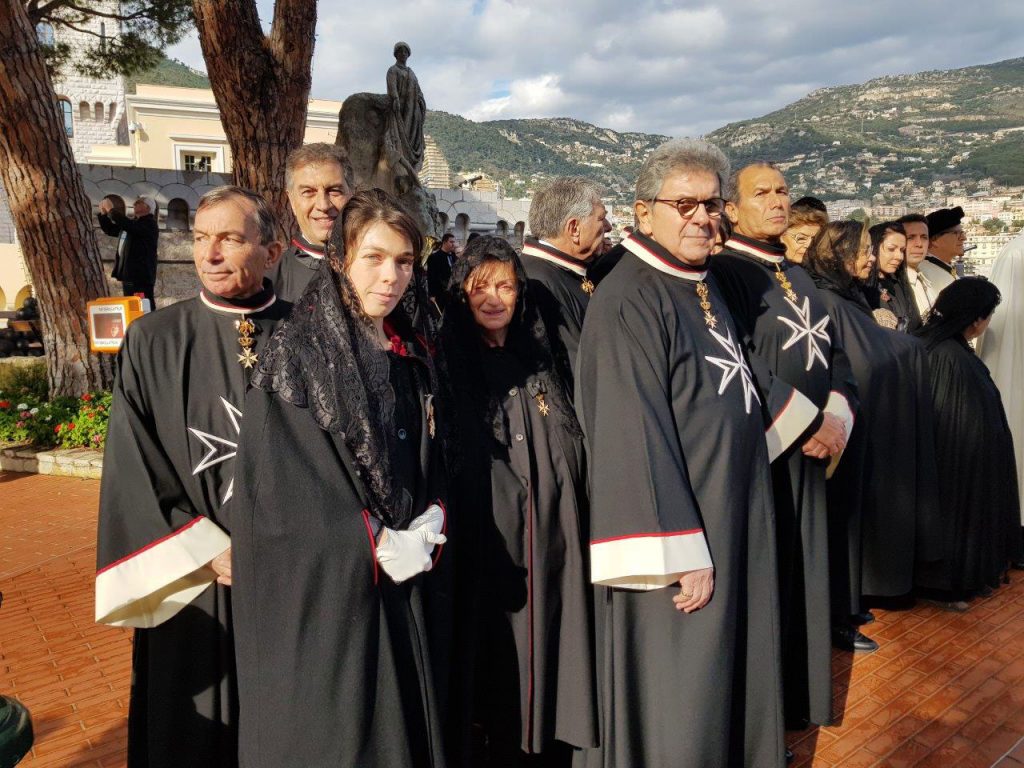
{"x":680,"y":494}
{"x":135,"y":262}
{"x":782,"y":322}
{"x":174,"y":426}
{"x":568,"y":223}
{"x":319,"y":181}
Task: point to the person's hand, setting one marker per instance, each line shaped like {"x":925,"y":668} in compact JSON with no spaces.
{"x":696,"y":588}
{"x":404,"y":554}
{"x":431,"y":520}
{"x":829,"y":440}
{"x":106,"y":206}
{"x":221,"y":565}
{"x":816,"y":449}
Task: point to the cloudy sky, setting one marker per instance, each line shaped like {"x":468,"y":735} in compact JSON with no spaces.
{"x":657,"y":66}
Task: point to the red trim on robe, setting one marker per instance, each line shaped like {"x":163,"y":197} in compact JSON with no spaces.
{"x":152,"y":544}
{"x":444,"y":530}
{"x":373,"y":543}
{"x":647,"y":536}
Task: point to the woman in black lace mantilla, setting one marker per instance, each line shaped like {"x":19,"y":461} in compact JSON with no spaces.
{"x":523,"y":582}
{"x":338,"y":521}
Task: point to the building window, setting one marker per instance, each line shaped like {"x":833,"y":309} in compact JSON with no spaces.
{"x":200,"y":162}
{"x":44,"y":34}
{"x":98,"y":111}
{"x":103,"y":37}
{"x":83,"y":110}
{"x":65,"y":110}
{"x":113,"y":111}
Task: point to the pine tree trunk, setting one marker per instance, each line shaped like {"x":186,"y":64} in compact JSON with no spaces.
{"x":52,"y":213}
{"x":261,"y":83}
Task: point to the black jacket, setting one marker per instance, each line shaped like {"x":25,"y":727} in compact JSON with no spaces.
{"x":136,"y":261}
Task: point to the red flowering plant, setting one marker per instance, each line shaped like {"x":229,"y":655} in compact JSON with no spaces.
{"x":30,"y":420}
{"x":88,"y":427}
{"x":29,"y":416}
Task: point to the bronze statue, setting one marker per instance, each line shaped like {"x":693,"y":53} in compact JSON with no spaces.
{"x":408,"y":109}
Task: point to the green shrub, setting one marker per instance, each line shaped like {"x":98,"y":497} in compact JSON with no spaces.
{"x":18,"y":381}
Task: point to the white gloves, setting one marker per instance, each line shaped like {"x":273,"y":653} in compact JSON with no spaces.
{"x":403,"y":554}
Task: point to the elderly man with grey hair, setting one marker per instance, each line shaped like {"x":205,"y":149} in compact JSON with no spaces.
{"x":163,"y":558}
{"x":568,"y":223}
{"x":682,"y":524}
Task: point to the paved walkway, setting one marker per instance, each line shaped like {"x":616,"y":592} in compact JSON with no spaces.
{"x":944,"y":690}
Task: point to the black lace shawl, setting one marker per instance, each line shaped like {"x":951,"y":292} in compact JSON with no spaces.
{"x":528,"y":339}
{"x":325,"y":358}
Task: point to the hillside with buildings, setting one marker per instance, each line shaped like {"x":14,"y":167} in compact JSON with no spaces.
{"x":898,"y":139}
{"x":904,"y":136}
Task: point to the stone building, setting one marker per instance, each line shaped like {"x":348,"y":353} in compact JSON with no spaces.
{"x":436,"y":173}
{"x":93,"y":109}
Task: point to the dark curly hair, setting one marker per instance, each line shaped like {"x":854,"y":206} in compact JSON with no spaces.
{"x":528,"y":339}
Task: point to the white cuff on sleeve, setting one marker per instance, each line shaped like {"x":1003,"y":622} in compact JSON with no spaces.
{"x":839,"y":406}
{"x":149,"y":586}
{"x":791,"y":422}
{"x":647,"y":561}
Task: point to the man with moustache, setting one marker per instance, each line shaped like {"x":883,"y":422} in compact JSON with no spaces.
{"x":785,"y":326}
{"x":946,"y":240}
{"x":163,"y":558}
{"x":916,"y":227}
{"x":319,"y":180}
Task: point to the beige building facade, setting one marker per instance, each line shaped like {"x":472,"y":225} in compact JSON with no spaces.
{"x":179,"y":129}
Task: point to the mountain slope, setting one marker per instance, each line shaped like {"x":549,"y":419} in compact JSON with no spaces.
{"x":952,"y":126}
{"x":896,"y":135}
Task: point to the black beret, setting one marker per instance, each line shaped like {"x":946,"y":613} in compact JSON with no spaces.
{"x":943,"y":220}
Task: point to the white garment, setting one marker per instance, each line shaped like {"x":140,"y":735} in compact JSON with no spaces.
{"x":1001,"y":347}
{"x":938,"y":276}
{"x":924,"y":292}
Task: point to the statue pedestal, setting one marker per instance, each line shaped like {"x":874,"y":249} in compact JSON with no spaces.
{"x":362,"y":128}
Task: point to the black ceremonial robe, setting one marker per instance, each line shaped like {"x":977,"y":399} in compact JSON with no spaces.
{"x":679,"y":481}
{"x":561,"y":287}
{"x":296,"y":268}
{"x":174,"y":427}
{"x":337,"y":664}
{"x":795,"y":340}
{"x":536,"y":680}
{"x":897,"y":518}
{"x":895,"y":294}
{"x":977,"y":475}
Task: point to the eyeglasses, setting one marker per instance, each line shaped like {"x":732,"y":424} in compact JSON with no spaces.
{"x":687,"y":206}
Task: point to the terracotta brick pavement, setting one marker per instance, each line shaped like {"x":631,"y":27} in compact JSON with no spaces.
{"x":943,"y":690}
{"x":71,"y":673}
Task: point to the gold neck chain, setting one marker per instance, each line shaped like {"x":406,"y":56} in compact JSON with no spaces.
{"x":786,"y":285}
{"x":705,"y":304}
{"x":246,"y":329}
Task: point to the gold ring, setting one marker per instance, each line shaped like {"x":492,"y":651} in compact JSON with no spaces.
{"x":686,"y":594}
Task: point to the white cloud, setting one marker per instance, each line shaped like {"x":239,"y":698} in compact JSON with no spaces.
{"x":659,"y":66}
{"x":537,"y":96}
